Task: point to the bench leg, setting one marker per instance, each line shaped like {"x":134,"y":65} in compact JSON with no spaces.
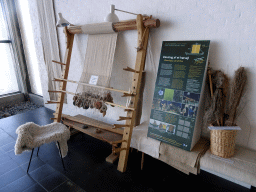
{"x":61,"y":155}
{"x":30,"y":159}
{"x":37,"y":151}
{"x":142,"y":160}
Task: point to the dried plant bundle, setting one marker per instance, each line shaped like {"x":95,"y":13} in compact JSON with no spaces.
{"x":236,"y":92}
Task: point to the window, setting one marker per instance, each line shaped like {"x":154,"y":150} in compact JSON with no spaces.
{"x":13,"y":69}
{"x":8,"y":79}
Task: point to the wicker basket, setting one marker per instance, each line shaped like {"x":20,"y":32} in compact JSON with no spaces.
{"x":223,"y":142}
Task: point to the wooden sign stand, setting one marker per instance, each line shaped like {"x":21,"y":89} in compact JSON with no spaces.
{"x":142,"y":25}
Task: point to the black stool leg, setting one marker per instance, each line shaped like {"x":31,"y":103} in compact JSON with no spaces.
{"x":30,"y":159}
{"x":61,"y":155}
{"x":38,"y":151}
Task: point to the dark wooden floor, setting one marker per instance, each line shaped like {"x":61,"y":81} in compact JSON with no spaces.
{"x":86,"y":168}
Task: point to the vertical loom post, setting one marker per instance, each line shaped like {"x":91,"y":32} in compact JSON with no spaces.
{"x":136,"y":84}
{"x":63,"y":84}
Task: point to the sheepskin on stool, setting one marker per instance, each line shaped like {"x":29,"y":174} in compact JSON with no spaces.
{"x":31,"y":135}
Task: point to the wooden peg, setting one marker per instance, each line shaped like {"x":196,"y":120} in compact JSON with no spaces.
{"x":53,"y":118}
{"x":123,"y":118}
{"x":116,"y":142}
{"x":130,"y":70}
{"x":58,"y":62}
{"x":112,"y":158}
{"x":117,"y":150}
{"x":52,"y":102}
{"x":120,"y":126}
{"x":128,"y":110}
{"x":128,"y":95}
{"x":54,"y":91}
{"x":57,"y":79}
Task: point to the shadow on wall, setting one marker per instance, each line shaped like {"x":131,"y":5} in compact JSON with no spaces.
{"x":215,"y":53}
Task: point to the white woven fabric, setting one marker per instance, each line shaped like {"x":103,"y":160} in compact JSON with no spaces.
{"x":31,"y":135}
{"x":98,"y":60}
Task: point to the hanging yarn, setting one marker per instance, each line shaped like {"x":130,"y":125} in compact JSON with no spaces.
{"x":88,"y":100}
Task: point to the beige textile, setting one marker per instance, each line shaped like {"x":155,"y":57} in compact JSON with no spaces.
{"x":185,"y":161}
{"x":241,"y":167}
{"x":143,"y":143}
{"x":98,"y":60}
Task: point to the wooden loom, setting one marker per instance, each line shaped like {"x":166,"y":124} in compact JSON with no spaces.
{"x":113,"y":134}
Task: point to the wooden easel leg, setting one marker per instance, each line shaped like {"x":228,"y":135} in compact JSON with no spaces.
{"x":63,"y":84}
{"x":136,"y":85}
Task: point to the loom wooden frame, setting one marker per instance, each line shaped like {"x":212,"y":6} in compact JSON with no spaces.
{"x":142,"y":24}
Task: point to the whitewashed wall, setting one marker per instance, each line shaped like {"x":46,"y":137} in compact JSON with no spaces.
{"x":229,"y":24}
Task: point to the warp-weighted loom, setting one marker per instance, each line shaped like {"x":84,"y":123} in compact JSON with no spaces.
{"x":118,"y":135}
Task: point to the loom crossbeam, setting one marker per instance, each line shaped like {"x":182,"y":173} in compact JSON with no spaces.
{"x":122,"y":25}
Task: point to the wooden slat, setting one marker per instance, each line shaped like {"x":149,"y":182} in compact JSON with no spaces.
{"x":104,"y":135}
{"x":93,"y":122}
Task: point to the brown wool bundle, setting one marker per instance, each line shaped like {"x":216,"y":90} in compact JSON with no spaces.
{"x":98,"y":104}
{"x":218,"y":87}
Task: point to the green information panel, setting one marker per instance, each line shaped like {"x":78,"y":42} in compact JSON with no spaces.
{"x":181,"y":74}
